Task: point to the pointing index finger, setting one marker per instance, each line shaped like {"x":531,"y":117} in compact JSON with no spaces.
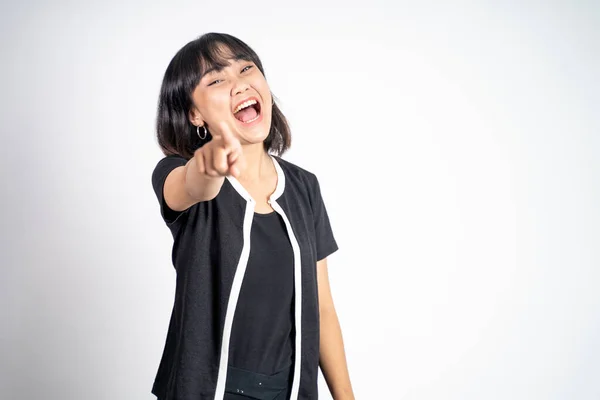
{"x":228,"y":138}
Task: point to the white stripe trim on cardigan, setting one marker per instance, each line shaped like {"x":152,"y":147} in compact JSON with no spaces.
{"x":239,"y":276}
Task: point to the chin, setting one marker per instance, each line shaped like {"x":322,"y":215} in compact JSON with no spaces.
{"x":257,"y":133}
{"x":256,"y":136}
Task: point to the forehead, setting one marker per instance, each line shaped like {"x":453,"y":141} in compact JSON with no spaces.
{"x":219,"y":57}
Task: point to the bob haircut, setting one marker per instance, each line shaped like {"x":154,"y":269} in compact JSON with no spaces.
{"x":175,"y":133}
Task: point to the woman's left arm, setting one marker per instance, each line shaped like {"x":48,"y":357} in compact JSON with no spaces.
{"x":332,"y":357}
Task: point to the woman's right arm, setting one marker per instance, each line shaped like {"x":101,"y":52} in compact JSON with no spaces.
{"x":201,"y":178}
{"x":186,"y":186}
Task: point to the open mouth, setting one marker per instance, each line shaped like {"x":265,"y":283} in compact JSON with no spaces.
{"x":247,"y":111}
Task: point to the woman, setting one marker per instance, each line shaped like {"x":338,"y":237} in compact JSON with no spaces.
{"x":253,"y":315}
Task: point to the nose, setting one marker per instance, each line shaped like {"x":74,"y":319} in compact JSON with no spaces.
{"x":239,"y":87}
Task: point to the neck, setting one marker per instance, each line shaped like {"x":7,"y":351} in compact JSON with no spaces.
{"x":258,"y":163}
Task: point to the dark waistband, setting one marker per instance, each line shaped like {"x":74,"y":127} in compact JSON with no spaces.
{"x":257,"y":385}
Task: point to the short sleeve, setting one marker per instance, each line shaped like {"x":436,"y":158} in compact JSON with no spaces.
{"x":325,"y":240}
{"x":159,"y":176}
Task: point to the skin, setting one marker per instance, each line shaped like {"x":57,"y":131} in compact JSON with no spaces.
{"x":237,"y":150}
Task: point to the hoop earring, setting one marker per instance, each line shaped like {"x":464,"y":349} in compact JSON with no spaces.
{"x":198,"y":132}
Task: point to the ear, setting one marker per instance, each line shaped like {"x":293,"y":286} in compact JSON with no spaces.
{"x":195,"y":117}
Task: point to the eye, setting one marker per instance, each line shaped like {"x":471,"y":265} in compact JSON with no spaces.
{"x":246,"y":68}
{"x":213,"y":82}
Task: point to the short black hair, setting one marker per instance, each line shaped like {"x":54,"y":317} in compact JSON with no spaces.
{"x":175,"y":133}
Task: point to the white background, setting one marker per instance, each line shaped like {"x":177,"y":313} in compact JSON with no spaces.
{"x":456,"y":146}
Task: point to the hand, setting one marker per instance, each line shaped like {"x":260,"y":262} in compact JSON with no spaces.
{"x":221,"y":156}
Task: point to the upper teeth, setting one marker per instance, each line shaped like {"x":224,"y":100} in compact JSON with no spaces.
{"x":244,"y":105}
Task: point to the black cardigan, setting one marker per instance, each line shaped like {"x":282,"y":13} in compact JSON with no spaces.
{"x":210,"y":253}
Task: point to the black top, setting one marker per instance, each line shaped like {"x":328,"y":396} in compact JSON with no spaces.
{"x":261,"y":339}
{"x":211,"y":251}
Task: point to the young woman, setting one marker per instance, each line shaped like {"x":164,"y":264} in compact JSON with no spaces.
{"x":253,"y":315}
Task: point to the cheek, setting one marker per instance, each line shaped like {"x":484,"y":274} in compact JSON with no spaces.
{"x":265,"y":87}
{"x":259,"y":83}
{"x":215,"y":105}
{"x":265,"y":91}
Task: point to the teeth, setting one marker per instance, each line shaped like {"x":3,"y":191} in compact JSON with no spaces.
{"x":252,"y":120}
{"x":244,"y":105}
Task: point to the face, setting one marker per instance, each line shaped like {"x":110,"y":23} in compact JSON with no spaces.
{"x":238,"y":95}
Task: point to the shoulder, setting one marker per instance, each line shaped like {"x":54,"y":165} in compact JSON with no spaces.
{"x":301,"y":182}
{"x":170,"y":160}
{"x":297,"y":174}
{"x":165,"y":165}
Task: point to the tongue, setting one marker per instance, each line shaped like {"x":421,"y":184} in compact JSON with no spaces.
{"x":246,"y":114}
